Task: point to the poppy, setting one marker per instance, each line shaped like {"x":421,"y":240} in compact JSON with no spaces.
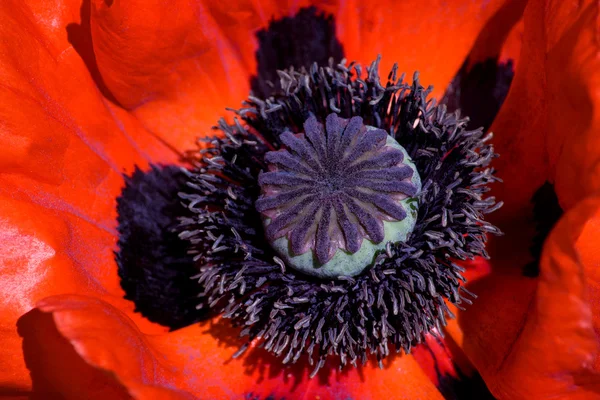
{"x":103,"y":99}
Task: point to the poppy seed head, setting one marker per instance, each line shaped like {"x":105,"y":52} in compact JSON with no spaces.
{"x":339,"y":190}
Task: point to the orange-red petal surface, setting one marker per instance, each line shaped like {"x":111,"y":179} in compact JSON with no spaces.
{"x":170,"y":62}
{"x":64,"y":148}
{"x":520,"y":134}
{"x":46,"y":252}
{"x":193,"y":362}
{"x":54,"y":364}
{"x":573,"y":92}
{"x":540,"y":342}
{"x":527,"y":337}
{"x":499,"y":39}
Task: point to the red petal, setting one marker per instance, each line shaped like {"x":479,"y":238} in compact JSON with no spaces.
{"x":175,"y":63}
{"x":435,"y":359}
{"x":520,"y":130}
{"x":541,"y":343}
{"x":46,"y":252}
{"x":511,"y":49}
{"x":53,"y":363}
{"x":194,"y":362}
{"x":572,"y":70}
{"x":147,"y":392}
{"x":530,"y":340}
{"x":432,"y":37}
{"x":64,"y":150}
{"x":547,"y":128}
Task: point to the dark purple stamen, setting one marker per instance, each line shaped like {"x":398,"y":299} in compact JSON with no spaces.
{"x":406,"y":290}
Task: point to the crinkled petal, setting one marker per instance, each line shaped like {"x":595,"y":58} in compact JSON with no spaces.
{"x":176,"y":64}
{"x":448,"y":367}
{"x":536,"y":339}
{"x":64,"y":145}
{"x":196,"y":361}
{"x":520,"y":134}
{"x":64,"y":149}
{"x":527,"y":337}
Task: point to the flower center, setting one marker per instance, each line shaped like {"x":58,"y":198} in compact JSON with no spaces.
{"x":335,"y":195}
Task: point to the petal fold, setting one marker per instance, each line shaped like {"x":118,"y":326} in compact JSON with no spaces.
{"x":538,"y":340}
{"x":175,"y":64}
{"x":548,"y":126}
{"x":53,"y":363}
{"x":196,"y":361}
{"x":431,"y":37}
{"x":573,"y":76}
{"x":178,"y":65}
{"x":47,"y":252}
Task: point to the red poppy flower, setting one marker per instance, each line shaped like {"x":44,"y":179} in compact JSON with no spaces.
{"x":95,"y":94}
